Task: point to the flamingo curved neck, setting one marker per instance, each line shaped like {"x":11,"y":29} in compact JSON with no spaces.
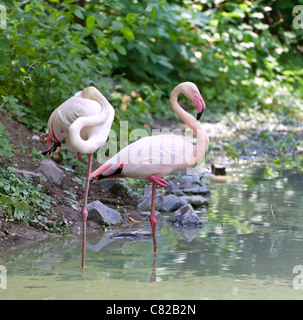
{"x":95,"y":138}
{"x":202,"y":137}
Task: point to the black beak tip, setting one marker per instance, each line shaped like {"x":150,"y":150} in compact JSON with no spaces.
{"x":199,"y":115}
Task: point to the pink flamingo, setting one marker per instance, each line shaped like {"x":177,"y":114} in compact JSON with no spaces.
{"x":82,"y":123}
{"x":153,"y":157}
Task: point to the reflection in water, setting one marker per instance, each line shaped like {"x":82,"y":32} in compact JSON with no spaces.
{"x":153,"y":276}
{"x":238,"y":253}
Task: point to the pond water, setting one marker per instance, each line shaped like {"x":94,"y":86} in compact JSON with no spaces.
{"x":238,"y":254}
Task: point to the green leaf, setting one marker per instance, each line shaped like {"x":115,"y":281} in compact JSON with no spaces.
{"x":8,"y":3}
{"x":63,"y":66}
{"x":117,"y":26}
{"x":121,"y":49}
{"x":90,"y":22}
{"x":5,"y":201}
{"x":153,"y":13}
{"x":21,"y":206}
{"x":79,"y":14}
{"x":101,"y":42}
{"x":4,"y":42}
{"x":127,"y":32}
{"x":166,"y":64}
{"x":131,"y":18}
{"x":113,"y":56}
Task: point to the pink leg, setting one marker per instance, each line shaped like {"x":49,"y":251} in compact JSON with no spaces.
{"x":152,"y":218}
{"x":157,"y":180}
{"x":84,"y":211}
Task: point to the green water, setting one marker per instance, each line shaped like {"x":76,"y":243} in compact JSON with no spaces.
{"x":238,"y":254}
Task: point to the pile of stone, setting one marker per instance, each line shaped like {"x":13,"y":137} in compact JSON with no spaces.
{"x":186,"y":194}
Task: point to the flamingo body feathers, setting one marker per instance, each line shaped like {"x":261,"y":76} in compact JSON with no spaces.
{"x":153,"y":155}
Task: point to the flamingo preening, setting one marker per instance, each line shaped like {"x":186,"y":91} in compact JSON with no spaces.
{"x":82,"y":123}
{"x":153,"y":157}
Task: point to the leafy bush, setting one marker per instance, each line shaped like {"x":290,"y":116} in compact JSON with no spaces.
{"x":241,"y":54}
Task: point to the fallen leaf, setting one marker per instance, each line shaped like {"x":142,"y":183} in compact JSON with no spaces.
{"x":133,"y":220}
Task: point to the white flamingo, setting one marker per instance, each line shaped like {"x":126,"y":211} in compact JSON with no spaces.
{"x":156,"y":156}
{"x":82,"y":123}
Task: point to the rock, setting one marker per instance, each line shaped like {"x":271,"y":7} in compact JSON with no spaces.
{"x":51,"y":171}
{"x":116,"y":188}
{"x":35,"y":137}
{"x":102,"y":214}
{"x":187,"y":184}
{"x":174,"y":189}
{"x":172,"y":203}
{"x":185,"y":216}
{"x":144,"y":202}
{"x":218,"y":170}
{"x":195,"y":201}
{"x":27,"y":173}
{"x":184,"y":179}
{"x":197,"y":190}
{"x":196,"y":187}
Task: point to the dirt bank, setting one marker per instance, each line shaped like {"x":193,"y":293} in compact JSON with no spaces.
{"x":23,"y":144}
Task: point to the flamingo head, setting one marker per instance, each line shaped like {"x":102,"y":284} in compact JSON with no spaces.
{"x":200,"y":104}
{"x":190,"y":90}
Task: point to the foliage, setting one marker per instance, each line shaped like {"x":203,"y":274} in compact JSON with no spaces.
{"x":47,"y":56}
{"x":241,"y":54}
{"x":20,"y":199}
{"x":5,"y":148}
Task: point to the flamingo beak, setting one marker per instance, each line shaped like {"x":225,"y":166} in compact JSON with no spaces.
{"x":56,"y":146}
{"x":200,"y":104}
{"x":199,"y":115}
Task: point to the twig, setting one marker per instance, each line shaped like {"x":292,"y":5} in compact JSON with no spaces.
{"x":273,"y":215}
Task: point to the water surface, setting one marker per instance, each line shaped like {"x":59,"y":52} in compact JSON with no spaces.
{"x":238,"y":254}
